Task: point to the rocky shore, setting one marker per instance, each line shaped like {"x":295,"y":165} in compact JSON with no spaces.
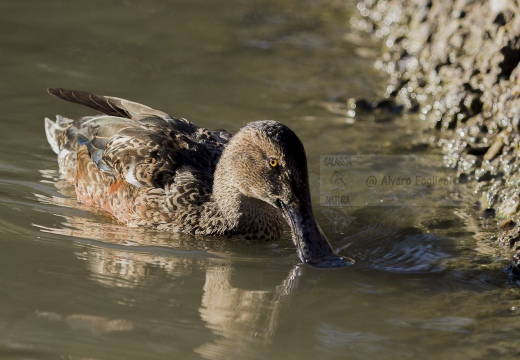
{"x":458,"y":63}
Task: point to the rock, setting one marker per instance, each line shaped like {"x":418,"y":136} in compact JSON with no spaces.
{"x":509,"y":207}
{"x":496,"y":147}
{"x":459,"y":61}
{"x":498,"y":6}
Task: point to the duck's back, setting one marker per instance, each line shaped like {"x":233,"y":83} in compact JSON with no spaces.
{"x":127,"y":160}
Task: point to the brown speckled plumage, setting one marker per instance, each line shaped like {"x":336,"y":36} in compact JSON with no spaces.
{"x":149,"y":169}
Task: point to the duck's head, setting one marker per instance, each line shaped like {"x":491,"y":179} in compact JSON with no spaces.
{"x":266,"y":161}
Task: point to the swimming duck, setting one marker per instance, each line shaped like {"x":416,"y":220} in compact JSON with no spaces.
{"x":149,"y":169}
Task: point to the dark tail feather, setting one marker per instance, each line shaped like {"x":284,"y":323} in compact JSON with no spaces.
{"x":96,"y":102}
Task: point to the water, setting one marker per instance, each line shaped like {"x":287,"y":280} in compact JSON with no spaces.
{"x":74,"y":285}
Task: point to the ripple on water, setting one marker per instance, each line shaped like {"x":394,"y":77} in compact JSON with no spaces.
{"x":357,"y":344}
{"x":447,"y":323}
{"x":416,"y":253}
{"x":384,"y":246}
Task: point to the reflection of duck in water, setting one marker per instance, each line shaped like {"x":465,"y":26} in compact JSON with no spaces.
{"x":149,"y":169}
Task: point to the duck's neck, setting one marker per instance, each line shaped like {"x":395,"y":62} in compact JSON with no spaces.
{"x":231,"y":213}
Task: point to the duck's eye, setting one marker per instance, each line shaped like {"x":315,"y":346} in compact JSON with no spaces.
{"x":273,"y":162}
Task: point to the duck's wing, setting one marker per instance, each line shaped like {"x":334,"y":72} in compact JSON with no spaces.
{"x":146,"y":115}
{"x":146,"y":156}
{"x":146,"y":147}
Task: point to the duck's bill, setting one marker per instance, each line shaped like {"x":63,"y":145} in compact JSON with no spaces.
{"x":311,"y":244}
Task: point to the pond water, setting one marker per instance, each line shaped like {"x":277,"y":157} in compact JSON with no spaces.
{"x":75,"y":285}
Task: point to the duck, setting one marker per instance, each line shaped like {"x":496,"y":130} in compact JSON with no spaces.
{"x":149,"y":169}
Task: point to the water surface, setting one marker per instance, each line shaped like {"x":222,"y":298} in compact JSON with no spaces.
{"x":75,"y":285}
